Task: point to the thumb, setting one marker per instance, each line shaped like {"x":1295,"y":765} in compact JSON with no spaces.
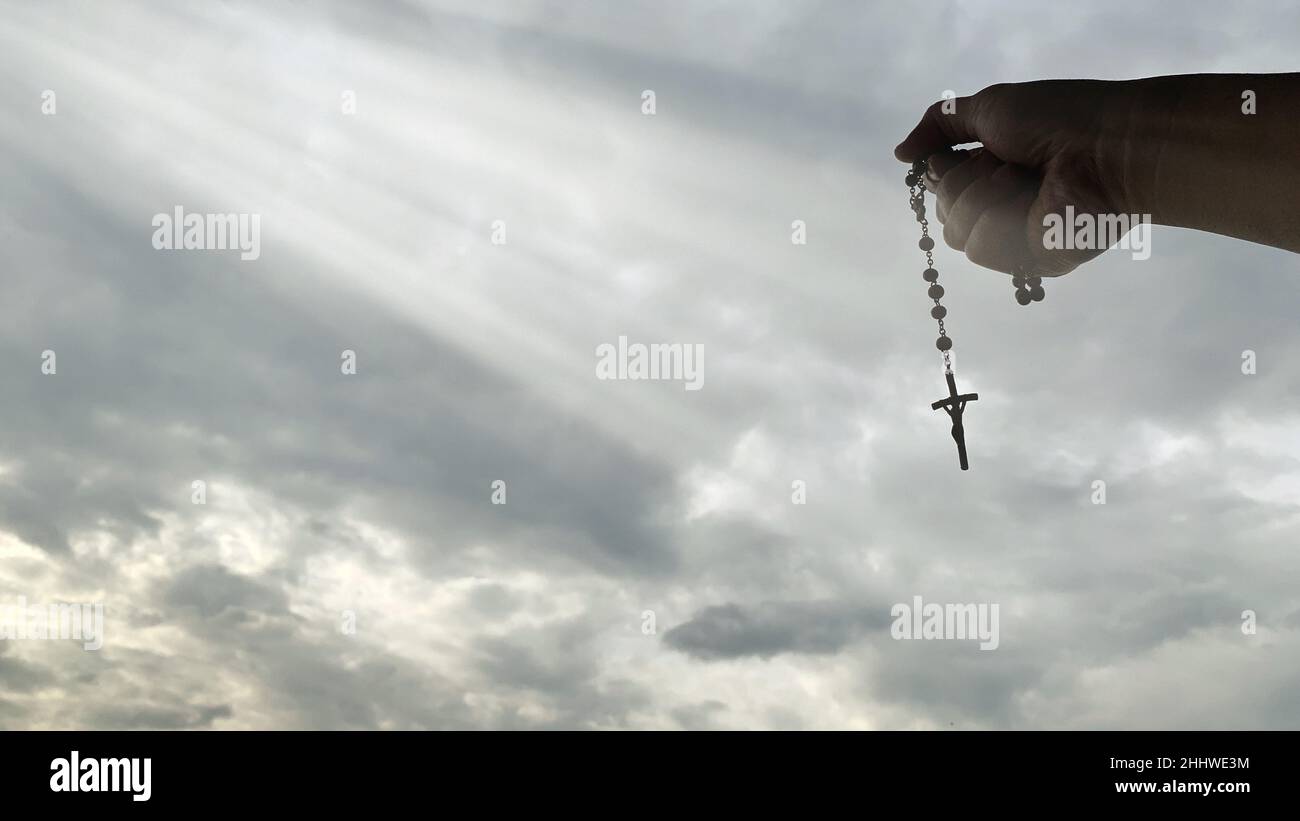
{"x":945,"y":124}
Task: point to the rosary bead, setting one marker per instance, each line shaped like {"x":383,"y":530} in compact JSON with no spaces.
{"x":938,"y":312}
{"x":1037,"y":293}
{"x":911,"y":180}
{"x":1034,"y":282}
{"x":926,"y":244}
{"x":943,"y":343}
{"x":930,"y":275}
{"x":1022,"y":296}
{"x":936,"y":291}
{"x":1019,"y":282}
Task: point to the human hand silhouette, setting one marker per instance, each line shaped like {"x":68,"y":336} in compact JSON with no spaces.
{"x":1046,"y":145}
{"x":1180,"y":150}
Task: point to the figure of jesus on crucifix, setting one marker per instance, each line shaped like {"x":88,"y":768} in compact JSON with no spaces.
{"x":954,"y":405}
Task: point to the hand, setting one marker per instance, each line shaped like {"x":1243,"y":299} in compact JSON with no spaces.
{"x":1046,"y":145}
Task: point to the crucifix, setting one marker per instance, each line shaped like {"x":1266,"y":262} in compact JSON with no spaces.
{"x":954,"y":405}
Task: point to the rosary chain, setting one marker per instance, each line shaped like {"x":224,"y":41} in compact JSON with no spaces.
{"x":1029,"y":288}
{"x":916,"y":192}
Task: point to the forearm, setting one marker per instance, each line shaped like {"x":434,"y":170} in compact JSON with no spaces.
{"x":1183,"y":150}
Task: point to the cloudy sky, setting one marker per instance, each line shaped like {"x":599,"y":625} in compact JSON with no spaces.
{"x":649,"y":568}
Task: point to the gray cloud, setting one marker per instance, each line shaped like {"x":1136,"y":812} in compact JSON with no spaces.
{"x":732,"y":631}
{"x":369,"y":495}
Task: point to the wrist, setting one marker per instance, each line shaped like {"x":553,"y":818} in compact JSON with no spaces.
{"x":1134,"y":143}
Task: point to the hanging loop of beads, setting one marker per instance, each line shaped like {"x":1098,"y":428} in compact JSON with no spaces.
{"x":1028,"y":289}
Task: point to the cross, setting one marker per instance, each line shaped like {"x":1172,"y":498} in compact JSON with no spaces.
{"x":954,"y":410}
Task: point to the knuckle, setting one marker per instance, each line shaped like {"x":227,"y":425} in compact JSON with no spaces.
{"x":942,"y":207}
{"x":953,"y":236}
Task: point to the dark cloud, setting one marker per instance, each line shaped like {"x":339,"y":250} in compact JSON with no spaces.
{"x":213,"y":591}
{"x":18,"y":676}
{"x":151,"y":717}
{"x":698,"y":716}
{"x":732,"y":631}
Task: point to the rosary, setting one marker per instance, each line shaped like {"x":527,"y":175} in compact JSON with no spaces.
{"x":1028,"y":289}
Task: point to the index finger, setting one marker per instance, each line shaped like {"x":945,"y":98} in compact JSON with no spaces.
{"x":945,"y":124}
